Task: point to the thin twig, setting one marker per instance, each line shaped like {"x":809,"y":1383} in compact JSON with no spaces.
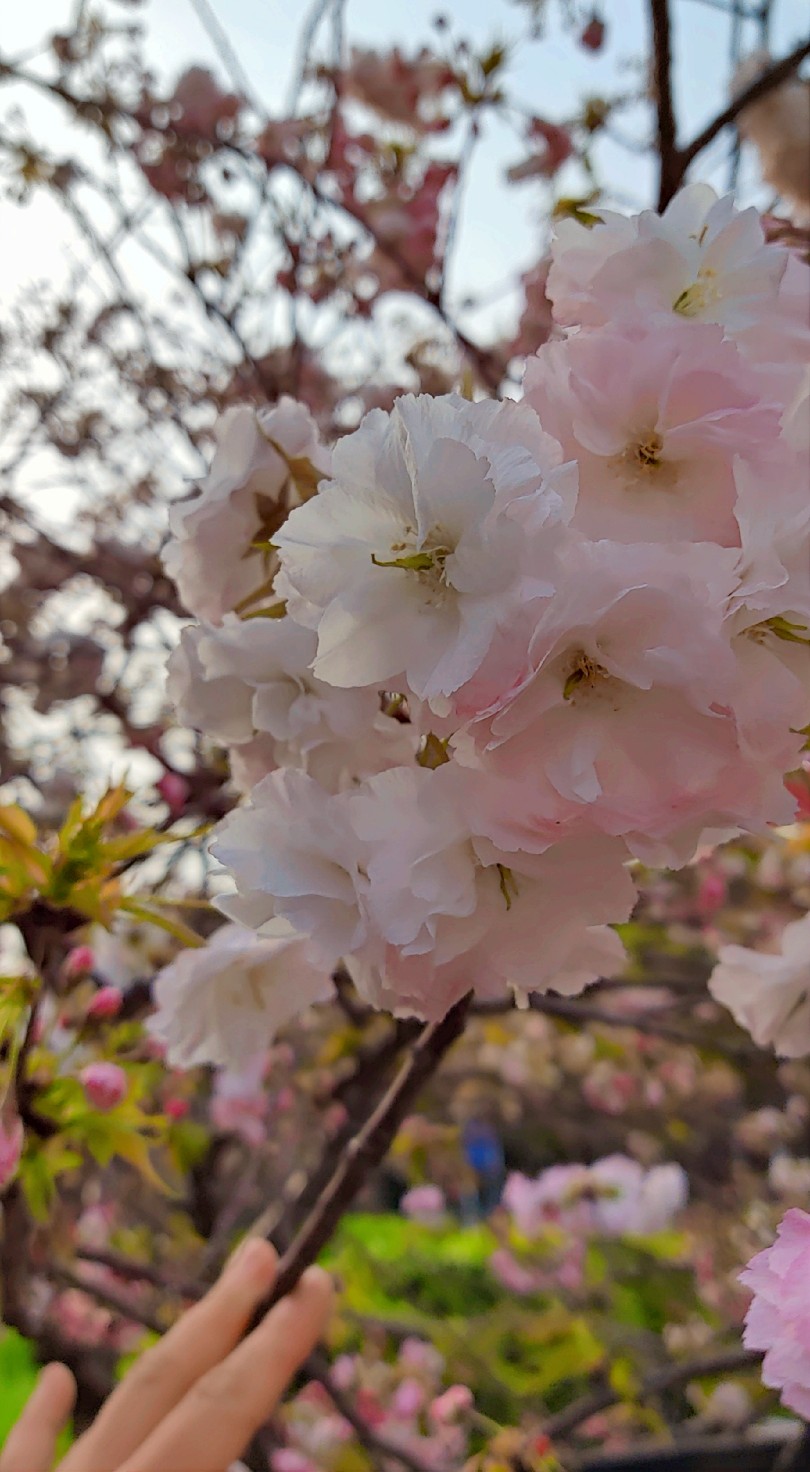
{"x":671,"y":1378}
{"x":141,"y":1272}
{"x":108,"y":1297}
{"x":769,"y":80}
{"x":366,"y":1150}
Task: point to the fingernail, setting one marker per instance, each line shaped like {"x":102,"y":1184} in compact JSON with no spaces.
{"x":248,"y":1256}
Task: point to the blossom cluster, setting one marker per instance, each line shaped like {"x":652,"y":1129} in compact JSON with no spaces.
{"x":481,"y":655}
{"x":610,"y":1198}
{"x":402,"y":1400}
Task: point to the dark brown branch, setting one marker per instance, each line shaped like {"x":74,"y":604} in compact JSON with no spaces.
{"x":357,"y":1092}
{"x":367,"y":1149}
{"x":571,"y":1009}
{"x":670,"y":170}
{"x":671,"y":1378}
{"x":140,"y":1272}
{"x":107,"y":1296}
{"x":769,"y":80}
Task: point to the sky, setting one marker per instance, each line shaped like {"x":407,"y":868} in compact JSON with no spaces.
{"x":548,"y":75}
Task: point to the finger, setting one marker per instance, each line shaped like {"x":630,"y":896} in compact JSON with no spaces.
{"x":31,"y":1447}
{"x":213,"y":1425}
{"x":160,"y":1378}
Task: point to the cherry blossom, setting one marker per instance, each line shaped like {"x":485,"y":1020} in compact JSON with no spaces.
{"x":657,"y":417}
{"x":412,"y":557}
{"x":449,"y":911}
{"x":769,"y":995}
{"x":702,"y":259}
{"x":778,"y":1319}
{"x":221,"y":1003}
{"x":778,"y":125}
{"x":243,"y":500}
{"x":295,"y":856}
{"x":613,"y":1197}
{"x":252,"y":678}
{"x":595,"y":719}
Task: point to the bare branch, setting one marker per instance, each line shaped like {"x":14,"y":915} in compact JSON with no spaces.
{"x":366,"y":1150}
{"x":722,"y":1363}
{"x":769,"y":80}
{"x":668,"y":158}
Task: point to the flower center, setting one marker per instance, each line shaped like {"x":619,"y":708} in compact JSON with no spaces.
{"x":642,"y":466}
{"x":703,"y":293}
{"x":583,"y":675}
{"x":427,"y":561}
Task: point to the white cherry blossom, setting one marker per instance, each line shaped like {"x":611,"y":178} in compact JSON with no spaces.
{"x":417,"y":551}
{"x":703,"y":259}
{"x":243,"y":500}
{"x":224,"y":1002}
{"x":769,"y":995}
{"x":295,"y":858}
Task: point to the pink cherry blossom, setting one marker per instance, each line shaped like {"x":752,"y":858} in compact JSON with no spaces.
{"x":454,"y":1401}
{"x":778,"y":1320}
{"x":656,"y":417}
{"x":424,"y":1204}
{"x":702,"y":259}
{"x":515,"y":1276}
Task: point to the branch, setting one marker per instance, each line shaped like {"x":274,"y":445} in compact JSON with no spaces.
{"x":140,"y":1272}
{"x":722,"y":1363}
{"x":366,"y":1150}
{"x":107,"y":1296}
{"x":365,"y":1082}
{"x":571,"y":1009}
{"x":769,"y":80}
{"x":670,"y":169}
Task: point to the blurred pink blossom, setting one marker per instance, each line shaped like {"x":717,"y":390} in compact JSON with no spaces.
{"x":778,"y":1320}
{"x":12,"y":1139}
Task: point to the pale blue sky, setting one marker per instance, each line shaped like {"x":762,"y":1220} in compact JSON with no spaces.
{"x":501,"y":227}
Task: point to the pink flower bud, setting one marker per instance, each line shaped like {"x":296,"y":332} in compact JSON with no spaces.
{"x":452,"y":1404}
{"x":12,"y":1139}
{"x":593,"y":36}
{"x":176,"y":1108}
{"x":78,"y":962}
{"x":106,"y":1002}
{"x":105,"y":1084}
{"x":174,"y":790}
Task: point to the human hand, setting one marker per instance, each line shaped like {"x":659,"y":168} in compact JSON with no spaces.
{"x":193,"y":1401}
